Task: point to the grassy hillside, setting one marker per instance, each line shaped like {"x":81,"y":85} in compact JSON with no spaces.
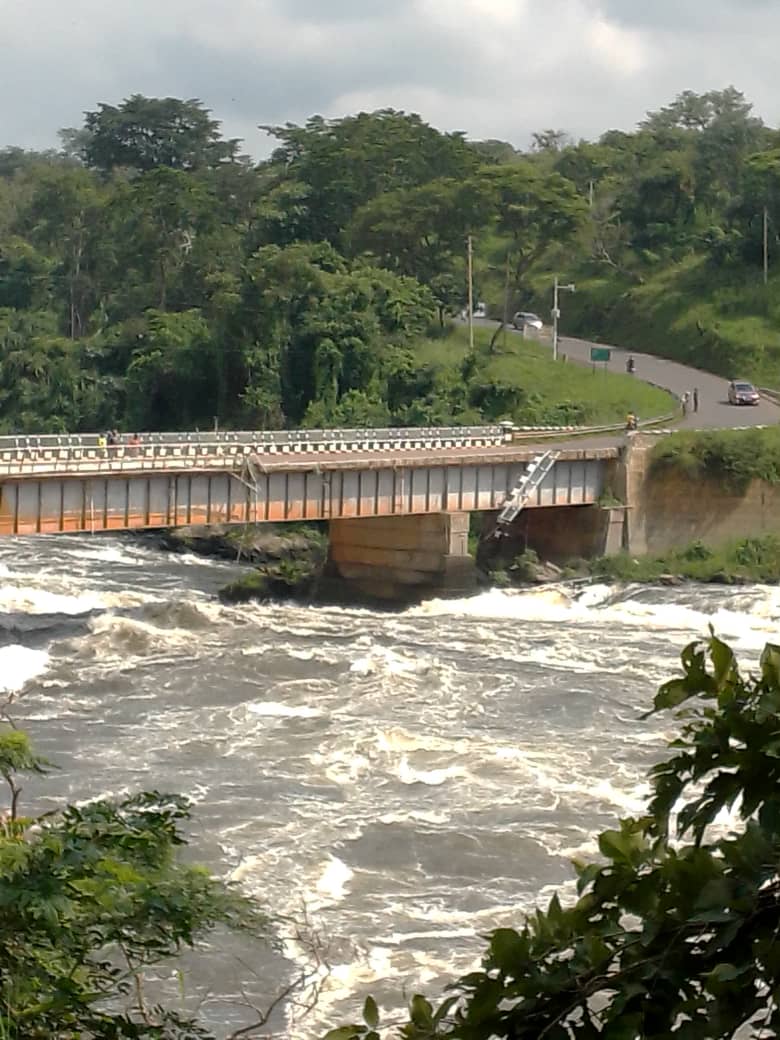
{"x":520,"y":381}
{"x":726,"y":322}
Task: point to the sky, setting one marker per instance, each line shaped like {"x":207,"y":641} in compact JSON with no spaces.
{"x":492,"y":68}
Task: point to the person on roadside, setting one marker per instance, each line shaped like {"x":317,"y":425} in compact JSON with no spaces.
{"x":695,"y":399}
{"x":686,"y":400}
{"x":630,"y":366}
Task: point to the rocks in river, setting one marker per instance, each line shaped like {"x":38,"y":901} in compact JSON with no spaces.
{"x":287,"y":560}
{"x":285,"y":580}
{"x":258,"y":544}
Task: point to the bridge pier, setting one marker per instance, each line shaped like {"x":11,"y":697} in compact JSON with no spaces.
{"x":403,"y":558}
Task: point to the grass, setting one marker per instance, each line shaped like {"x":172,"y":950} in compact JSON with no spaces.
{"x":737,"y":562}
{"x":722,"y":320}
{"x":734,"y":457}
{"x":520,"y":381}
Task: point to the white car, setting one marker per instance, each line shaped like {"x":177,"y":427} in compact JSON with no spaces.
{"x":527,"y":320}
{"x":480,"y":311}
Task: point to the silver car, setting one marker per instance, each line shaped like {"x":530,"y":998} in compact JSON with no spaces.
{"x":527,"y":320}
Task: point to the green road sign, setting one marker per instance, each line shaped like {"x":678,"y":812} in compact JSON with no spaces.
{"x":600,"y":354}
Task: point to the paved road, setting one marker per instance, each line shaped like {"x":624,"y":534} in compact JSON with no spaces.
{"x":714,"y":409}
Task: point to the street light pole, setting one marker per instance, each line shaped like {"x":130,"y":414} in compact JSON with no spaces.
{"x":556,"y":312}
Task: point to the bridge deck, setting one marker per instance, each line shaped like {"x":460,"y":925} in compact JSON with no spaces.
{"x":166,"y":487}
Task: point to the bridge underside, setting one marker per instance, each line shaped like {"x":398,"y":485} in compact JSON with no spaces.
{"x":49,"y":504}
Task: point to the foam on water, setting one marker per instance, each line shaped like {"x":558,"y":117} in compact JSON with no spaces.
{"x":19,"y":665}
{"x":414,"y":780}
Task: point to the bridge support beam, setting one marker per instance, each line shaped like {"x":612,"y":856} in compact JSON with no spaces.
{"x":403,"y":558}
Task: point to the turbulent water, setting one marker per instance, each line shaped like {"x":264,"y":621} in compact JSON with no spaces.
{"x":406,"y":782}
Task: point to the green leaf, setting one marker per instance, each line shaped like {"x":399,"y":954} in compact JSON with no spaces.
{"x":724,"y":973}
{"x":371,"y":1012}
{"x":508,"y":949}
{"x":421,"y":1011}
{"x":672,"y":694}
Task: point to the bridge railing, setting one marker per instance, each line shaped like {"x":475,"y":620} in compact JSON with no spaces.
{"x":277,"y":440}
{"x":30,"y":455}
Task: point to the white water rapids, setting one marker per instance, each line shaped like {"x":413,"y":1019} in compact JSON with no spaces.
{"x":412,"y":780}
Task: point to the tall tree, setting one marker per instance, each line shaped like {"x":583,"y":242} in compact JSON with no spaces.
{"x":143,"y":133}
{"x":344,"y":163}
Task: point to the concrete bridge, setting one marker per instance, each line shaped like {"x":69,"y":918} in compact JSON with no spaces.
{"x":397,"y":501}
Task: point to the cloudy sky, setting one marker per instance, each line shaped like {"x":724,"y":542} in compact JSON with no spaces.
{"x":494,"y":68}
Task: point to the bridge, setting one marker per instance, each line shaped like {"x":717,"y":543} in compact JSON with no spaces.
{"x":397,"y":501}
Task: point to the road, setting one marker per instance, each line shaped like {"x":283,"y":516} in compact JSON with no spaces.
{"x":714,"y":410}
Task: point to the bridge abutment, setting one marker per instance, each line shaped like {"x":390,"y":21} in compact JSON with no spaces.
{"x":403,"y":558}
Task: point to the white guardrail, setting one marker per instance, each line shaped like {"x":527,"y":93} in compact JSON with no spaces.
{"x":52,"y":453}
{"x":160,"y":451}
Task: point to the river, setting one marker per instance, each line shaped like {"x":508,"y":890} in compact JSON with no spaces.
{"x":405,"y":781}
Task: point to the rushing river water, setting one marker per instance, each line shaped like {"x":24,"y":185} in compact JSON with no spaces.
{"x":412,"y":780}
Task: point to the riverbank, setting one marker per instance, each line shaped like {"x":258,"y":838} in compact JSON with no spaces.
{"x":741,"y":562}
{"x":289,"y":562}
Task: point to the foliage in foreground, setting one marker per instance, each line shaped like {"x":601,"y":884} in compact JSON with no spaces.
{"x":675,"y":932}
{"x":91,"y":899}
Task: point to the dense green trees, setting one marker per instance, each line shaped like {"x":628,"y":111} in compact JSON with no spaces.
{"x":191,"y":283}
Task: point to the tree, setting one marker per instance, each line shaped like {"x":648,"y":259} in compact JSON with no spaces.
{"x":45,"y":382}
{"x":313,"y":327}
{"x":674,"y":933}
{"x":421,"y":232}
{"x":64,"y":216}
{"x":157,"y":219}
{"x":172,"y":376}
{"x":534,"y":210}
{"x":92,"y":898}
{"x":344,"y":163}
{"x":145,"y":133}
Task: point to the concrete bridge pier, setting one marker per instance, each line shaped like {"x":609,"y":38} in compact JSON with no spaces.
{"x":403,"y":558}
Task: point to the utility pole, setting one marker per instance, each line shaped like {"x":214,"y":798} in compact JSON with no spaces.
{"x":556,"y":313}
{"x":506,"y":298}
{"x":766,"y":245}
{"x":471,"y":294}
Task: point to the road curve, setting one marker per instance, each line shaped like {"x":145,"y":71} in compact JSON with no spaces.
{"x":715,"y":412}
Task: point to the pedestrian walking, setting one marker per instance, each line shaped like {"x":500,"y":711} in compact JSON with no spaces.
{"x":695,"y":399}
{"x":686,"y":397}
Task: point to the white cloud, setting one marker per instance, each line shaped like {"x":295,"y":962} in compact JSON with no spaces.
{"x":495,"y":68}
